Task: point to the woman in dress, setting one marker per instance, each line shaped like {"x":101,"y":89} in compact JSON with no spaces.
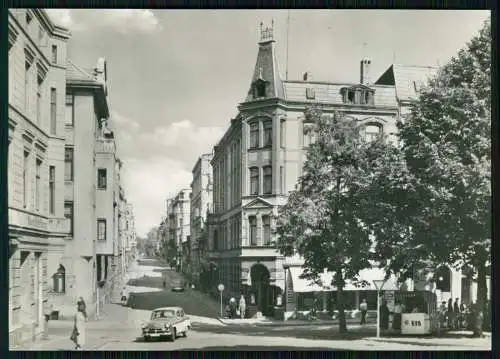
{"x":79,"y":326}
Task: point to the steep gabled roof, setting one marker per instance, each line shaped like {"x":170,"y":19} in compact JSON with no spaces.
{"x":267,"y":70}
{"x":407,"y":79}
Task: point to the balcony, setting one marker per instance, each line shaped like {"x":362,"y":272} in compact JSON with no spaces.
{"x":59,"y":225}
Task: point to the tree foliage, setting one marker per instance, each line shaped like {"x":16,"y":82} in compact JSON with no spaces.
{"x":447,"y":145}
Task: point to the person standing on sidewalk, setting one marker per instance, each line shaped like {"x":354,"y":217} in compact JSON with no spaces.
{"x":456,"y":312}
{"x":450,"y":314}
{"x":79,"y":334}
{"x":243,"y":306}
{"x":363,"y":307}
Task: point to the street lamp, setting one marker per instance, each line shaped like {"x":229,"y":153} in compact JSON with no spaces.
{"x":379,"y":284}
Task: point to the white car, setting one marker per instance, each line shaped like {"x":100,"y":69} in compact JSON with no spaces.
{"x":166,"y":322}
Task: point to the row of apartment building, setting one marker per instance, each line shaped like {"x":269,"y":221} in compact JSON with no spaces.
{"x":237,"y":190}
{"x":70,"y":227}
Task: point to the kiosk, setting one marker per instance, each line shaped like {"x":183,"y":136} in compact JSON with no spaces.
{"x":418,"y":312}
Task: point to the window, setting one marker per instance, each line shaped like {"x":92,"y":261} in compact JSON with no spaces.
{"x":268,"y":134}
{"x":282,"y":133}
{"x":260,"y":89}
{"x":372,"y":132}
{"x":216,"y":240}
{"x":101,"y":178}
{"x":39,"y":100}
{"x":53,"y":109}
{"x":38,"y":185}
{"x":29,"y":17}
{"x":254,"y":135}
{"x":27,"y":66}
{"x":68,"y":164}
{"x":54,"y":54}
{"x":282,"y":180}
{"x":101,"y":229}
{"x":268,"y":180}
{"x":25,"y":178}
{"x":351,"y":97}
{"x":52,"y":189}
{"x":266,"y":224}
{"x":70,"y":109}
{"x":254,"y":181}
{"x":41,"y":35}
{"x":310,"y":94}
{"x":308,"y":134}
{"x":253,"y":230}
{"x":68,"y":214}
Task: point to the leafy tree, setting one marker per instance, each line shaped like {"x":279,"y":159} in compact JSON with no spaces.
{"x":322,"y":219}
{"x":446,"y":144}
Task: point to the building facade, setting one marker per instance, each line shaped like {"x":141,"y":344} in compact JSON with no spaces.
{"x":37,"y":227}
{"x":107,"y":210}
{"x":178,"y":223}
{"x":259,"y":159}
{"x":86,"y":111}
{"x":201,"y":201}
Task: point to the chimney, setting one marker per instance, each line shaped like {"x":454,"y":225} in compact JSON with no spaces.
{"x":365,"y":71}
{"x":307,"y":76}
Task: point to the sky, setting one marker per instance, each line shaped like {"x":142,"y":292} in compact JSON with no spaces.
{"x":176,"y":77}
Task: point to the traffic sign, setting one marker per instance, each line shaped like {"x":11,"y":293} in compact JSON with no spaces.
{"x":220,"y":287}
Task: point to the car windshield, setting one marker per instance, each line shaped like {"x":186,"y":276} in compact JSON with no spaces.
{"x":163,"y":314}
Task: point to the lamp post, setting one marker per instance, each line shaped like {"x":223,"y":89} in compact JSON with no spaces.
{"x":220,"y":287}
{"x":379,"y":284}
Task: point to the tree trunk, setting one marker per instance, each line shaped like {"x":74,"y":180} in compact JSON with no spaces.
{"x":340,"y":302}
{"x":482,"y":297}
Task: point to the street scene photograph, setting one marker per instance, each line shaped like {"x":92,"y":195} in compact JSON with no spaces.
{"x":249,"y":180}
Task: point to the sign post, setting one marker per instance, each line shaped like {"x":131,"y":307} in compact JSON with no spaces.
{"x":379,"y":284}
{"x":220,"y":287}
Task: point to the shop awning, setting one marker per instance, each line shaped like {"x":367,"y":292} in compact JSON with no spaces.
{"x":301,"y":285}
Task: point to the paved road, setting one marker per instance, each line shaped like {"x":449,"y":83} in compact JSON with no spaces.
{"x":193,"y":301}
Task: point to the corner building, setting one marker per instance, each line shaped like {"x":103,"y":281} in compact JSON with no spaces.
{"x":258,"y":161}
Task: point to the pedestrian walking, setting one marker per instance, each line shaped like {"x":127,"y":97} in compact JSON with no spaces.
{"x":363,"y":307}
{"x":450,"y":313}
{"x":78,"y":334}
{"x":384,"y":315}
{"x":242,"y":307}
{"x":456,"y":314}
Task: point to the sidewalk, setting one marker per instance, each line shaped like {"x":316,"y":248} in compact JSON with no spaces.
{"x":445,"y":342}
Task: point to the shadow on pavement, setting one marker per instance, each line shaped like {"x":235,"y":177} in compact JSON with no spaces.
{"x":303,"y":332}
{"x":258,"y":348}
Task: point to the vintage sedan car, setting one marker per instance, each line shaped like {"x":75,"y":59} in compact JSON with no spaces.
{"x":166,"y":322}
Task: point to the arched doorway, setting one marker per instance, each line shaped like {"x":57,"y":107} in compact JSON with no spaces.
{"x":259,"y":275}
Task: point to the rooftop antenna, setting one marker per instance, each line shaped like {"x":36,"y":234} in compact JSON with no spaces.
{"x":287,"y":33}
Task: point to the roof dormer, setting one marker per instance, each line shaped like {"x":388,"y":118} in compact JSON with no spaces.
{"x":358,"y":95}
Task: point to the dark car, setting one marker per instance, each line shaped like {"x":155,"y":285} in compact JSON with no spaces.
{"x":178,"y":285}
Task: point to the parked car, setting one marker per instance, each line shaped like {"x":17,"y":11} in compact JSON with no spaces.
{"x":178,"y":285}
{"x":166,"y":322}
